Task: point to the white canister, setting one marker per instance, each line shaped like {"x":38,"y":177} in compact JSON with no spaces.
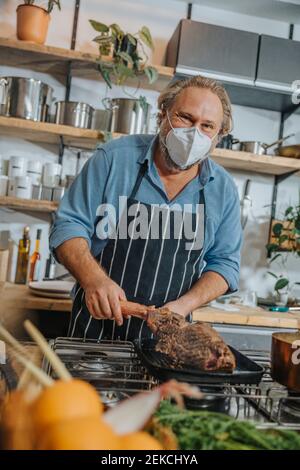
{"x":23,"y":187}
{"x":17,"y":167}
{"x":3,"y":185}
{"x":51,"y":175}
{"x":34,"y":171}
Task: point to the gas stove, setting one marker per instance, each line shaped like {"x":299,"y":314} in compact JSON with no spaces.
{"x":115,"y":370}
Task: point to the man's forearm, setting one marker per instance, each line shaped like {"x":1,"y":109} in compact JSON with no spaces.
{"x":75,"y":255}
{"x":210,"y":286}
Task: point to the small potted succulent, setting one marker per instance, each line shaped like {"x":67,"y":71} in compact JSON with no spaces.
{"x":122,"y":55}
{"x":285,"y":242}
{"x":33,"y":20}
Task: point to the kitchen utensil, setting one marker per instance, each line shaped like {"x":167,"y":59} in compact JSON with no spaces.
{"x":51,"y":174}
{"x":37,"y":191}
{"x":34,"y":171}
{"x":102,"y":120}
{"x":69,"y":180}
{"x":17,"y":166}
{"x":25,"y":98}
{"x":260,"y":148}
{"x":58,"y":193}
{"x":3,"y":185}
{"x":285,"y":359}
{"x":46,"y":194}
{"x":129,"y":116}
{"x":227,"y":142}
{"x":73,"y":113}
{"x":289,"y":151}
{"x":246,"y":204}
{"x":159,"y":365}
{"x":22,"y":187}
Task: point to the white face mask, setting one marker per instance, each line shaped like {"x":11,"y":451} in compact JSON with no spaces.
{"x":187,"y":145}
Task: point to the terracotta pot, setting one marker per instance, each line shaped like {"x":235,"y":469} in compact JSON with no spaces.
{"x":32,"y":23}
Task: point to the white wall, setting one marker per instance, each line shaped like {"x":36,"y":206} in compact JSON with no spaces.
{"x":161,"y":17}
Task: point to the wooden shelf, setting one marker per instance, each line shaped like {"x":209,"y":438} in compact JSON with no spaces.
{"x":20,"y":297}
{"x":47,"y":132}
{"x":31,"y":205}
{"x":271,"y":165}
{"x":87,"y":138}
{"x":55,"y":61}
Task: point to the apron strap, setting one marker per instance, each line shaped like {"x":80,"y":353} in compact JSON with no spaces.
{"x":140,"y":176}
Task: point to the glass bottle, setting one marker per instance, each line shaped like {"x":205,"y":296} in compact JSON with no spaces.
{"x":23,"y":257}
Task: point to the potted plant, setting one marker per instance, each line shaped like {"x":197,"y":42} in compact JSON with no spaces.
{"x":33,"y":21}
{"x":285,"y":241}
{"x":122,"y":55}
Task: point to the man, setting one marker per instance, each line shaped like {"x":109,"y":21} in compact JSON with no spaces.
{"x":151,"y":182}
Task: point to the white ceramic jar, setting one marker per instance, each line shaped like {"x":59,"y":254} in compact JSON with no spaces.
{"x":17,"y":167}
{"x":34,"y":171}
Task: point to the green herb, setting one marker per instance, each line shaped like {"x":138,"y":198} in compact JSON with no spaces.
{"x":205,"y":430}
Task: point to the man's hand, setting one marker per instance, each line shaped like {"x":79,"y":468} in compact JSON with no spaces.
{"x":177,"y":306}
{"x":102,"y":297}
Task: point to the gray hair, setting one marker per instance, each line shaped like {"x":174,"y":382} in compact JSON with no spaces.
{"x":167,"y":97}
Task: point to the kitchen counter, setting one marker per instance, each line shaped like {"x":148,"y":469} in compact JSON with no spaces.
{"x":20,"y":297}
{"x":247,"y":316}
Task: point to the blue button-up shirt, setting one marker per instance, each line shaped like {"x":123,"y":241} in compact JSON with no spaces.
{"x":112,"y":171}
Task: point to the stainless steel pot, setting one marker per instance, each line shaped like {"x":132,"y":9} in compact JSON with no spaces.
{"x":73,"y":113}
{"x":25,"y":98}
{"x":129,"y":116}
{"x":102,"y":120}
{"x":260,"y":148}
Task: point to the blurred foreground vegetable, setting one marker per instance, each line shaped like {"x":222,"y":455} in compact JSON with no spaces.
{"x":205,"y":430}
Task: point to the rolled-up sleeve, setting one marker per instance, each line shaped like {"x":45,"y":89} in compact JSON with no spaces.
{"x":224,"y":256}
{"x":76,"y":214}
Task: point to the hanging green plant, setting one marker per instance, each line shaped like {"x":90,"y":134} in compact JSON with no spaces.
{"x":127,"y":53}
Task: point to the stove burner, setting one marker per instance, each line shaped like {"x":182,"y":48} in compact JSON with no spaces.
{"x":291,"y":404}
{"x":93,"y":360}
{"x":214,"y":400}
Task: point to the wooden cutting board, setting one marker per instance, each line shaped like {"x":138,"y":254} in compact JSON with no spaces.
{"x":251,"y":316}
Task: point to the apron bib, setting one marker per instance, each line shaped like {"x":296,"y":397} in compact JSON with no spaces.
{"x":152,"y":270}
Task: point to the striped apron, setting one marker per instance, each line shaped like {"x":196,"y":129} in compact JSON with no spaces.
{"x":152,"y":270}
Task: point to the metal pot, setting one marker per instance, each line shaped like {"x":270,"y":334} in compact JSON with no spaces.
{"x":129,"y":116}
{"x":260,"y":148}
{"x":73,"y":113}
{"x":289,"y":151}
{"x":102,"y":120}
{"x":285,"y":364}
{"x":25,"y":98}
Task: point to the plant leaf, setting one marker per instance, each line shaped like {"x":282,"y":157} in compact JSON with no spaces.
{"x":103,"y":40}
{"x":272,"y":274}
{"x":125,"y":57}
{"x":145,"y":37}
{"x":283,"y":238}
{"x":116,"y":30}
{"x":275,"y":257}
{"x":272,"y":247}
{"x":281,"y":283}
{"x":288,"y":211}
{"x":277,"y":229}
{"x":151,"y":73}
{"x":105,"y":74}
{"x":131,"y":39}
{"x":100,"y":27}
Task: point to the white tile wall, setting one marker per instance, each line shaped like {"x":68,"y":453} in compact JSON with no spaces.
{"x":161,"y":17}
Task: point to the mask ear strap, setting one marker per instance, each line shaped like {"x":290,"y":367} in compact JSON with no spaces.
{"x":167,"y":113}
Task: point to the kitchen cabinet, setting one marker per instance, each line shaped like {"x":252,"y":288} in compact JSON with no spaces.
{"x":223,"y":53}
{"x":278,"y":64}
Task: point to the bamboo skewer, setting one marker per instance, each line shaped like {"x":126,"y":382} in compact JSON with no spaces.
{"x":39,"y":375}
{"x":20,"y":353}
{"x":54,"y":360}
